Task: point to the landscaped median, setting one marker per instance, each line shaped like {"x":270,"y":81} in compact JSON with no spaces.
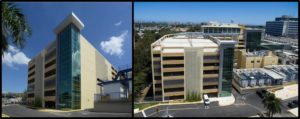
{"x":55,"y":110}
{"x":4,"y":115}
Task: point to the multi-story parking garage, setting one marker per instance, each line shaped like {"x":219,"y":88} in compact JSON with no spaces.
{"x":65,"y":73}
{"x":198,"y":63}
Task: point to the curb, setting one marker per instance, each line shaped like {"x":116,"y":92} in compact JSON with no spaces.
{"x":167,"y":104}
{"x":49,"y":110}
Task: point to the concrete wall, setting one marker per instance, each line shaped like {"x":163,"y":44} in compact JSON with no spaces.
{"x":269,"y":60}
{"x":39,"y":77}
{"x":93,"y":66}
{"x":113,"y":89}
{"x":193,"y":70}
{"x":130,"y":86}
{"x":88,"y":73}
{"x":259,"y":61}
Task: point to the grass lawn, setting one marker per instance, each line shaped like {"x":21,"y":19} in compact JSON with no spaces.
{"x":145,"y":105}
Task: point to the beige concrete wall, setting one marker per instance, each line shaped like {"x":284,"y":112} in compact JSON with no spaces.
{"x":248,"y":62}
{"x":39,"y":77}
{"x":269,"y":60}
{"x":259,"y":61}
{"x":193,"y":66}
{"x":88,"y":73}
{"x":93,"y":66}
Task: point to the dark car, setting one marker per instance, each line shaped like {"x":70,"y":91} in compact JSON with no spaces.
{"x":295,"y":101}
{"x":261,"y":93}
{"x":293,"y":104}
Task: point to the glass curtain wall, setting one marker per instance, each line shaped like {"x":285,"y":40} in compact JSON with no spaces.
{"x":69,"y":68}
{"x":228,"y":54}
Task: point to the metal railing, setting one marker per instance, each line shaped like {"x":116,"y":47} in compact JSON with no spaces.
{"x":114,"y":96}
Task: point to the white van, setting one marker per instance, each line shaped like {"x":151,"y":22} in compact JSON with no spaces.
{"x":206,"y":100}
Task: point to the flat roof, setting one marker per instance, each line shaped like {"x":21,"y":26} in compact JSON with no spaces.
{"x":229,"y":25}
{"x":182,"y":41}
{"x":178,"y":43}
{"x":72,"y":18}
{"x":272,"y":74}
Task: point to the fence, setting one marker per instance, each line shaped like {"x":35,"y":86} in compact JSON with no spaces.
{"x":114,"y":96}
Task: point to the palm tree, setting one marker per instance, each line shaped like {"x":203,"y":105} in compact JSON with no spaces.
{"x":272,"y":104}
{"x":14,"y":26}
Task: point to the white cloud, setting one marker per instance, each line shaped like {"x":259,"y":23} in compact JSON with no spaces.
{"x":114,"y":45}
{"x":14,"y":57}
{"x":118,"y":23}
{"x":12,"y":49}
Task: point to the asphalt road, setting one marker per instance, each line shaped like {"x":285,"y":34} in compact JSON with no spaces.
{"x":245,"y":106}
{"x":198,"y":110}
{"x":21,"y":111}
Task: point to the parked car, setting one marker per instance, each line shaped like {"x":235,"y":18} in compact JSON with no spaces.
{"x":261,"y":93}
{"x":295,"y":101}
{"x":206,"y":100}
{"x":260,"y":114}
{"x":293,"y":104}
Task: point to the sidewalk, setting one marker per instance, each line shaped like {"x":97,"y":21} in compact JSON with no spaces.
{"x":294,"y":111}
{"x":224,"y":101}
{"x":287,"y":92}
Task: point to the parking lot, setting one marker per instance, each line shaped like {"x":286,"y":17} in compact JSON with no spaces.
{"x":245,"y":106}
{"x":16,"y":110}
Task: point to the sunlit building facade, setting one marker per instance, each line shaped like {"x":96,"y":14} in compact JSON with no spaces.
{"x":185,"y":64}
{"x":65,"y":73}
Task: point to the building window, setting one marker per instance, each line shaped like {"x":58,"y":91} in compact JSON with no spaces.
{"x":252,"y":61}
{"x":31,"y":95}
{"x":174,"y":73}
{"x":156,"y":55}
{"x":173,"y":58}
{"x":50,"y":93}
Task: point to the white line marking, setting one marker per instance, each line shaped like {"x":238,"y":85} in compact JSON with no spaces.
{"x":144,"y":115}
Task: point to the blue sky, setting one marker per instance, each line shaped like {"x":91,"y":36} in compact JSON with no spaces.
{"x":255,"y":13}
{"x":109,"y":23}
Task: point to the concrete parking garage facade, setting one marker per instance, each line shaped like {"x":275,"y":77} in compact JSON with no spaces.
{"x":65,"y":73}
{"x":187,"y":63}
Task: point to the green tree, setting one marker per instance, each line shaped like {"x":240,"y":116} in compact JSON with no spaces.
{"x":14,"y":26}
{"x":38,"y":102}
{"x":142,"y":58}
{"x":193,"y":96}
{"x":272,"y":104}
{"x":196,"y":28}
{"x":24,"y":97}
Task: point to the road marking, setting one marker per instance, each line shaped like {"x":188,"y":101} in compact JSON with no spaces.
{"x":172,"y":109}
{"x":4,"y":115}
{"x":144,"y":115}
{"x":108,"y":113}
{"x":182,"y":109}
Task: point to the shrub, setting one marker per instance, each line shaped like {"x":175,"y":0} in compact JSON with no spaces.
{"x":193,"y":96}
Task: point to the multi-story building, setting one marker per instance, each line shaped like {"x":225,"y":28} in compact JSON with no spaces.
{"x":283,"y":26}
{"x":187,"y":63}
{"x":256,"y":59}
{"x":287,"y":58}
{"x":226,"y":28}
{"x":65,"y":73}
{"x":253,"y":39}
